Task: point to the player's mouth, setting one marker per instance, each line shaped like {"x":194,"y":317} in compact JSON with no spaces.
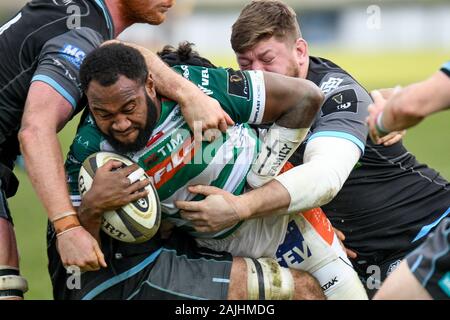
{"x":124,"y":135}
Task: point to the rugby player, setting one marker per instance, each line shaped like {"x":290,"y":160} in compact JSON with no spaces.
{"x":425,"y":273}
{"x":383,"y":200}
{"x":128,"y":116}
{"x":41,"y":49}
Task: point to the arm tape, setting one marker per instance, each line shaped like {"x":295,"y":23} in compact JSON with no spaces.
{"x":328,"y":162}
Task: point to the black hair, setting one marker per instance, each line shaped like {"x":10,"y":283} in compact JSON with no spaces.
{"x":184,"y":54}
{"x":105,"y":64}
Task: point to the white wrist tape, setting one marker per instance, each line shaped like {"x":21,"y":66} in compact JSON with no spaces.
{"x":136,"y":175}
{"x":328,"y":163}
{"x":278,"y":146}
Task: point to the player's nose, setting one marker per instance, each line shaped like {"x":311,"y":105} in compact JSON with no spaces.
{"x":257,"y":65}
{"x":121,"y":124}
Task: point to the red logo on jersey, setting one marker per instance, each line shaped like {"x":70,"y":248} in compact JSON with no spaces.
{"x":164,"y":171}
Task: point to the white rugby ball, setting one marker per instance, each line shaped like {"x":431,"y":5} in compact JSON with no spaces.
{"x":135,"y":222}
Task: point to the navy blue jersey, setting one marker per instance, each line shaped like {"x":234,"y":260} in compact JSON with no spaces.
{"x":390,"y":201}
{"x":43,"y":42}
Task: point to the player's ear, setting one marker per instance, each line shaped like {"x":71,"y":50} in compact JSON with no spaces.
{"x":150,"y":86}
{"x":301,"y":48}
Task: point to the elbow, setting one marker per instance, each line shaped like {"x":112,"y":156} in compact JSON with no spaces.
{"x":312,"y":102}
{"x":316,"y":98}
{"x":27,"y":136}
{"x":327,"y":194}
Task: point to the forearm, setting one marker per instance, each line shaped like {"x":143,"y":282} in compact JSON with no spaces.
{"x":167,"y":82}
{"x":328,"y":163}
{"x":399,"y":114}
{"x":271,"y":199}
{"x":43,"y":157}
{"x":409,"y":106}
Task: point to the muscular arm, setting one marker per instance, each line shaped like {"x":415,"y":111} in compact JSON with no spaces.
{"x":291,"y":102}
{"x":46,"y":112}
{"x":409,"y":106}
{"x":328,"y":163}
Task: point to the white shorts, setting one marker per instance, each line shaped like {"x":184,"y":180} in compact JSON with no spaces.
{"x":303,"y":241}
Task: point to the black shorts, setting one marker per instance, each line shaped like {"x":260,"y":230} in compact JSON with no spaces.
{"x":430,"y":263}
{"x":174,"y":269}
{"x":8,"y":188}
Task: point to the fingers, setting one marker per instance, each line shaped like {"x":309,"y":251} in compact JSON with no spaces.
{"x":100,"y":255}
{"x":223,"y":125}
{"x":377,"y":96}
{"x":188,"y":205}
{"x":228,"y":119}
{"x":392,"y":138}
{"x":129,"y":169}
{"x":110,"y":165}
{"x":205,"y":190}
{"x":351,"y":254}
{"x":339,"y":234}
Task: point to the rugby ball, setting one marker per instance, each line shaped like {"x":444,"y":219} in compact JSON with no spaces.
{"x":135,"y":222}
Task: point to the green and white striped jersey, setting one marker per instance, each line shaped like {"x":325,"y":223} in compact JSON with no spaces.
{"x":170,"y":158}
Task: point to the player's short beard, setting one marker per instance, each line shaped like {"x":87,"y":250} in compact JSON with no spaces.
{"x":293,"y":70}
{"x":136,"y":11}
{"x":144,"y":133}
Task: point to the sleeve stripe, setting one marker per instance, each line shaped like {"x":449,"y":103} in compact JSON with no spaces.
{"x":337,"y":134}
{"x":258,"y":96}
{"x":57,"y":87}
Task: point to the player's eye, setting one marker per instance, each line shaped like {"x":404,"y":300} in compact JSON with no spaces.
{"x":268,"y":60}
{"x":129,"y":108}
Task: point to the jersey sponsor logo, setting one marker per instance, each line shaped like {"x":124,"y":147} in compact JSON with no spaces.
{"x":345,"y":101}
{"x":282,"y":154}
{"x":164,"y":171}
{"x":331,"y":84}
{"x":205,"y":77}
{"x":73,"y":54}
{"x":294,"y":249}
{"x":206,"y":91}
{"x":185,"y":70}
{"x":238,"y":84}
{"x":173,"y":143}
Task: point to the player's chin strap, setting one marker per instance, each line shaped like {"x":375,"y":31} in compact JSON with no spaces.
{"x":267,"y":280}
{"x":12,"y":285}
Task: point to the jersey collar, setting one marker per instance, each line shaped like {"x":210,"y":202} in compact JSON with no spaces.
{"x":108,"y":18}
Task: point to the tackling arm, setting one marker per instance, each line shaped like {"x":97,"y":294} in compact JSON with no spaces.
{"x":407,"y":107}
{"x":293,"y":104}
{"x":46,"y":112}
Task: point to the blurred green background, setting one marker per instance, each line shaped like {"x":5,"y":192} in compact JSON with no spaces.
{"x":429,"y":142}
